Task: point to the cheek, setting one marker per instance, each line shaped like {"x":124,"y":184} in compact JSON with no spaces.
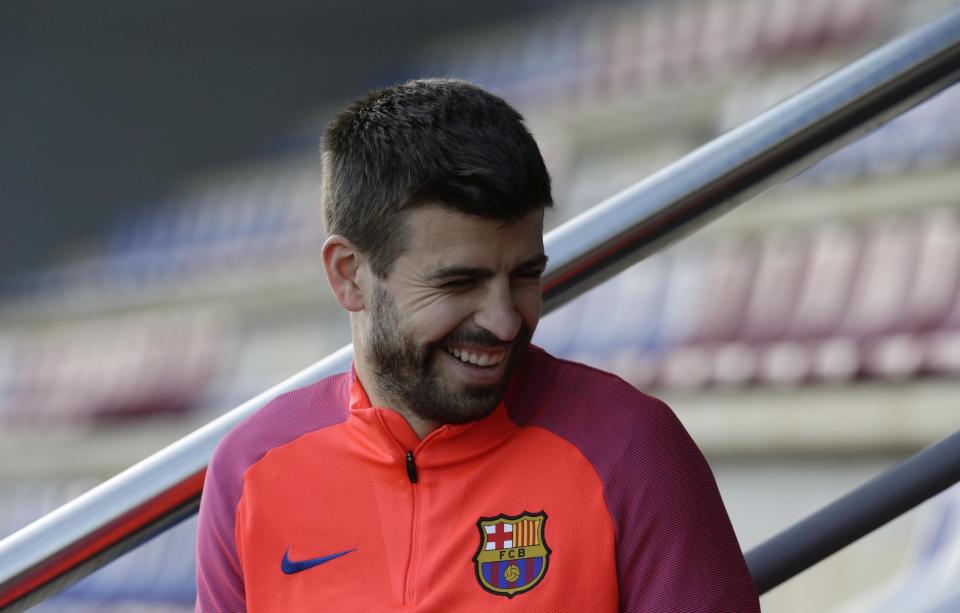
{"x":529,"y":304}
{"x":433,"y":322}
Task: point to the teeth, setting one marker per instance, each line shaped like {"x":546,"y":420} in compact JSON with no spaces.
{"x":477,"y":359}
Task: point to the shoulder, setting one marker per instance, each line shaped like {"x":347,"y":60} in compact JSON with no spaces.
{"x":282,"y":420}
{"x":548,"y":389}
{"x":614,"y":425}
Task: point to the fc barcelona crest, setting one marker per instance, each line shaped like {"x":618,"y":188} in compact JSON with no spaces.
{"x":513,"y":555}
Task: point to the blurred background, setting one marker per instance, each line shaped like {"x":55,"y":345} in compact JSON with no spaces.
{"x":159,"y":256}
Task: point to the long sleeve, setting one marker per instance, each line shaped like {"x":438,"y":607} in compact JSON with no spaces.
{"x":219,"y":574}
{"x":676,"y":547}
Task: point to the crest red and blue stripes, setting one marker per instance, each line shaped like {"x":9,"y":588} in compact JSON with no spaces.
{"x":494,"y":572}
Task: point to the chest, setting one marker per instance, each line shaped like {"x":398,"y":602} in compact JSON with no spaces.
{"x":506,"y":531}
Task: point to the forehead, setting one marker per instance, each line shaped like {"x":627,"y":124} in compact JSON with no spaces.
{"x":440,"y":236}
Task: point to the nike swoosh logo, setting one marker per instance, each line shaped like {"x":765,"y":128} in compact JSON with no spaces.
{"x":289,"y":566}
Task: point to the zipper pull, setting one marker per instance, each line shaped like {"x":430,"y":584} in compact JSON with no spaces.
{"x":411,"y":468}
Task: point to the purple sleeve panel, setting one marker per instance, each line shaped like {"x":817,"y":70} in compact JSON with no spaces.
{"x":676,"y":549}
{"x":219,"y":576}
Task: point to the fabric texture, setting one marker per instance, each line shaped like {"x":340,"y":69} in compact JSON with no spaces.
{"x":578,"y":493}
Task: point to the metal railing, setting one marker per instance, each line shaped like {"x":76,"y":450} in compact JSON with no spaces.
{"x":855,"y":514}
{"x":140,"y":502}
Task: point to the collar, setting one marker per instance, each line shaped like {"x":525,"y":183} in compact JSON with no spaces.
{"x":385,"y":434}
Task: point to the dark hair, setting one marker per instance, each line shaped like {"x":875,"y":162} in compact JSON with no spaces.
{"x":429,"y":141}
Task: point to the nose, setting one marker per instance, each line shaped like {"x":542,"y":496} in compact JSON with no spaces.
{"x":498,"y":313}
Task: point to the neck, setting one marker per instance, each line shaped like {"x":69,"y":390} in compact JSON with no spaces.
{"x":421,"y":427}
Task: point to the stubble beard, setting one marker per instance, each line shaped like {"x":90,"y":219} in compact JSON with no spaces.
{"x":410,"y":376}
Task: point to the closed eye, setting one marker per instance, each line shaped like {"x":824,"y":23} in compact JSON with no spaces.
{"x":531,"y":275}
{"x":454,"y":284}
{"x":531,"y":270}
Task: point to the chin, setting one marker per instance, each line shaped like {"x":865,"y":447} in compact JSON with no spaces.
{"x":460,"y":404}
{"x":465,"y":415}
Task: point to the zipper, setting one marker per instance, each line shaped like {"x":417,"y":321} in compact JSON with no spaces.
{"x":408,"y":591}
{"x":411,"y":467}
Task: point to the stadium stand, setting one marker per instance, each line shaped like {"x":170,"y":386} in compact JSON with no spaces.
{"x":829,"y":303}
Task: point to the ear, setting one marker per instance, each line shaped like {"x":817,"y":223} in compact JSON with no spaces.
{"x":342,"y":263}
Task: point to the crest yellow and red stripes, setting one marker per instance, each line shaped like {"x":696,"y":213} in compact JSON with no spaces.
{"x":526,"y":533}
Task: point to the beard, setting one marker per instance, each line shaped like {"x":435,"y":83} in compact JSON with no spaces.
{"x":411,"y":378}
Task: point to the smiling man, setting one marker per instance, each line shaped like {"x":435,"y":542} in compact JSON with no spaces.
{"x":456,"y":466}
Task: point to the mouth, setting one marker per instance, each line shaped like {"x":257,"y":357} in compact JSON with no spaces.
{"x":475,"y":356}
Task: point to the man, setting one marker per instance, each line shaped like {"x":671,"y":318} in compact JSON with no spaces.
{"x":456,"y":467}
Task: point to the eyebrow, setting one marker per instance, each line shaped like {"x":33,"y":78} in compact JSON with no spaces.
{"x":452,"y":272}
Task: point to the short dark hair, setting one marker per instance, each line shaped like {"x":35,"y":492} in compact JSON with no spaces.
{"x":428,"y":141}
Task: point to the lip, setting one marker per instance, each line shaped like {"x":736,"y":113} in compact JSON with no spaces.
{"x":481,"y":375}
{"x":496,"y":355}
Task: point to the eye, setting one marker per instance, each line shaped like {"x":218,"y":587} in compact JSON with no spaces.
{"x":529,"y":275}
{"x":455,"y":284}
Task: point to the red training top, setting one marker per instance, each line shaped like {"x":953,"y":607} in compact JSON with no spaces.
{"x":578,"y":493}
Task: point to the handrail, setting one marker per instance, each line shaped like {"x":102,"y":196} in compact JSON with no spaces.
{"x":98,"y":526}
{"x":855,"y":514}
